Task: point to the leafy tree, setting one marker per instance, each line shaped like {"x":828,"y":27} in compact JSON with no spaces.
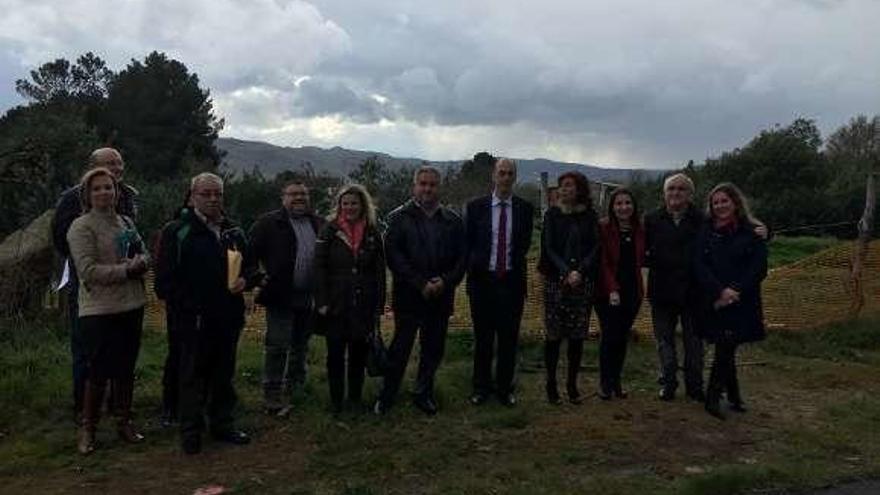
{"x":388,"y":187}
{"x":853,"y":151}
{"x":372,"y":174}
{"x":781,"y":170}
{"x":86,"y":81}
{"x":474,"y":178}
{"x":44,"y":148}
{"x":163,"y":120}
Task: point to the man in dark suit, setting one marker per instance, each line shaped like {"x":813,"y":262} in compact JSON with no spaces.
{"x":499,"y":233}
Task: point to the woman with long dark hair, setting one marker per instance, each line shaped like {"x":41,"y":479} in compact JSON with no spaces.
{"x":730,"y":263}
{"x":350,"y":271}
{"x":569,"y":258}
{"x":110,"y":259}
{"x":620,"y":287}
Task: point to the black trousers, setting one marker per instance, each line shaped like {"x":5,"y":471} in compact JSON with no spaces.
{"x":431,"y":324}
{"x":77,"y":346}
{"x":336,"y":369}
{"x":616,"y":323}
{"x":665,"y":317}
{"x":171,"y":371}
{"x":207,"y":366}
{"x":496,"y":313}
{"x":722,"y":377}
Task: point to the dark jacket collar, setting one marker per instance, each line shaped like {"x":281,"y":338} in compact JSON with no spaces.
{"x":281,"y":216}
{"x":690,"y":212}
{"x":413,"y":209}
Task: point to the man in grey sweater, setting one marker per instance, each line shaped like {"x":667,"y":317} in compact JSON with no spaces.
{"x":283,"y":242}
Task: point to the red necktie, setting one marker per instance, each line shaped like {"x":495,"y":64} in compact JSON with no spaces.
{"x":501,"y":250}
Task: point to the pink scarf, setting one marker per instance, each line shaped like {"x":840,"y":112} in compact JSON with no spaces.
{"x":354,"y":231}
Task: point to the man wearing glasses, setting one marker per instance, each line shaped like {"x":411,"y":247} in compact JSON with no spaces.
{"x":205,"y":266}
{"x":283,"y":243}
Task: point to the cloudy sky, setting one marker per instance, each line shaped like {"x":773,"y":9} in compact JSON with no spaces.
{"x":623,"y":83}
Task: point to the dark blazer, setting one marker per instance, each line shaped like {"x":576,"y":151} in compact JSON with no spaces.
{"x":669,"y":251}
{"x":561,"y":253}
{"x":413,"y":262}
{"x":352,"y":287}
{"x":191,"y":271}
{"x":609,"y":234}
{"x":273,"y":245}
{"x":478,"y":229}
{"x":738,"y":260}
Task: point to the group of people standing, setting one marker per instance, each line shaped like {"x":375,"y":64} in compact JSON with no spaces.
{"x":329,"y":276}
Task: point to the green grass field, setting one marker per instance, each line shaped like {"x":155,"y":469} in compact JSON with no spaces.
{"x":814,"y":401}
{"x":814,"y":405}
{"x":785,"y":250}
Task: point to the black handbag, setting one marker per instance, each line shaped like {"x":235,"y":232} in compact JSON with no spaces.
{"x":378,"y":360}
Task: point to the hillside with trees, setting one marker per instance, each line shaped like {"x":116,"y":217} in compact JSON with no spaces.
{"x":161,"y":118}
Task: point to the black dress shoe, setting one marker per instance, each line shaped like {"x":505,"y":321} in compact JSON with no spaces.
{"x":191,"y":444}
{"x":697,"y":396}
{"x":574,"y":395}
{"x":508,"y":400}
{"x":426,"y":405}
{"x":478,"y":398}
{"x":236,"y":437}
{"x":714,"y":410}
{"x":604,"y":394}
{"x":168,"y":418}
{"x":620,"y":393}
{"x":667,"y":394}
{"x":553,"y":395}
{"x":738,"y":407}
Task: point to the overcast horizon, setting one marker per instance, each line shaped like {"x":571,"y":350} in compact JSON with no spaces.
{"x":633,"y":84}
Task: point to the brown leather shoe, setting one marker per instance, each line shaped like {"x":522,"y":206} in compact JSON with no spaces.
{"x":128,"y":433}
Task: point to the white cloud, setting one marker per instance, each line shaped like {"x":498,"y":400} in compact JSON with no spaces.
{"x":632,"y":82}
{"x":225,"y":41}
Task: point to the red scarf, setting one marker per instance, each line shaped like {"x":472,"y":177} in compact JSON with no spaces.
{"x":354,"y":231}
{"x":725,"y":227}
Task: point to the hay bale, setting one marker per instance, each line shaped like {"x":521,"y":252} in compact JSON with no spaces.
{"x":26,"y":262}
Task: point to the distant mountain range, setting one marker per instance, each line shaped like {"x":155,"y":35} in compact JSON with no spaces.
{"x":244,"y":155}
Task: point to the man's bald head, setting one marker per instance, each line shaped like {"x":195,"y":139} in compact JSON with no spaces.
{"x":110,"y":159}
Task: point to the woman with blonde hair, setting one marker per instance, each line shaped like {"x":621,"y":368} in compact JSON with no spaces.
{"x":350,"y":295}
{"x":110,"y":260}
{"x":730,"y":263}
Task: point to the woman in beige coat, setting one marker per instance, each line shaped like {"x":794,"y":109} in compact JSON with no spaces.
{"x":110,"y":260}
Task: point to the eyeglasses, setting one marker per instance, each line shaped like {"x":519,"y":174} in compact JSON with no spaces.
{"x":210,"y":194}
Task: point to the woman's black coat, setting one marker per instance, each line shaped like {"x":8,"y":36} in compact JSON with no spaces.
{"x":352,"y":287}
{"x":737,"y":260}
{"x":570,"y":241}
